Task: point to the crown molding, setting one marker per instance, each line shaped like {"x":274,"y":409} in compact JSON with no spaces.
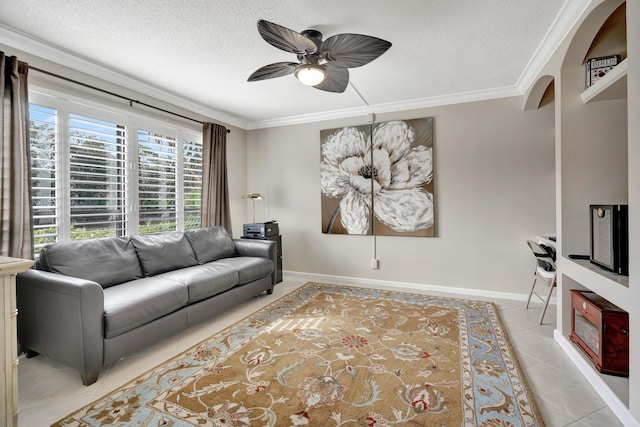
{"x":49,"y":52}
{"x":390,"y":107}
{"x":561,"y":26}
{"x":566,"y":19}
{"x":569,"y":15}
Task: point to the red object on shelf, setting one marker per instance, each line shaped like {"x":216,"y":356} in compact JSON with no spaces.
{"x":601,"y":330}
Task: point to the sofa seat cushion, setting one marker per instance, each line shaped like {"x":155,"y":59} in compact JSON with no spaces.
{"x":249,"y":268}
{"x":203,"y":281}
{"x":107,"y":261}
{"x":163,"y":252}
{"x":132,"y":304}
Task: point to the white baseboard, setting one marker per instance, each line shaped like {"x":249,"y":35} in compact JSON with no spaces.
{"x":614,"y":403}
{"x":408,"y":286}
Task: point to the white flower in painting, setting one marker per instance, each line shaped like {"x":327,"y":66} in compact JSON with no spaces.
{"x":394,"y":178}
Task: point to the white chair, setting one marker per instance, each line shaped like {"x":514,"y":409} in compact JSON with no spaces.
{"x":545,"y":271}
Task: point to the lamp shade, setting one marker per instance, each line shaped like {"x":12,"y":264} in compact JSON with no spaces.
{"x":311,"y":74}
{"x":255,"y":196}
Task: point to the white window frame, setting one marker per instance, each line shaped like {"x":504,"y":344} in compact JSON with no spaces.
{"x":64,"y":104}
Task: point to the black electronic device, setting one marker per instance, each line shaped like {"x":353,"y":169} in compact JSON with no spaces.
{"x":610,"y":237}
{"x":578,"y":256}
{"x":260,"y":230}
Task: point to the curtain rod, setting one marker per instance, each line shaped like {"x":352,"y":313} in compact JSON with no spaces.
{"x":131,"y":100}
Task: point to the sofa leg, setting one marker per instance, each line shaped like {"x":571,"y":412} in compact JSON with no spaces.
{"x":270,"y":291}
{"x":30,"y":353}
{"x":90,"y":377}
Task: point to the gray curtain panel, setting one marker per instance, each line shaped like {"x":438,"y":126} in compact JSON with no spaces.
{"x":16,"y":233}
{"x":215,"y":192}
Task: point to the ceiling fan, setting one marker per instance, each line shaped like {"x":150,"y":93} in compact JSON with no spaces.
{"x":322,"y":64}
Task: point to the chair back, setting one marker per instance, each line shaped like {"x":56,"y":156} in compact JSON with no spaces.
{"x":544,"y":256}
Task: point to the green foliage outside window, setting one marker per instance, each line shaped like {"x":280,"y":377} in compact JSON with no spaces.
{"x":43,"y":236}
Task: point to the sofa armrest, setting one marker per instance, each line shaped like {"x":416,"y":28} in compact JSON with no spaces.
{"x":259,"y":248}
{"x":62,"y":318}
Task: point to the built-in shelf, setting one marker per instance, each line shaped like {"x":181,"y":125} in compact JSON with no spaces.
{"x":612,"y":86}
{"x":587,"y":124}
{"x":617,"y":384}
{"x":607,"y":284}
{"x":613,"y":390}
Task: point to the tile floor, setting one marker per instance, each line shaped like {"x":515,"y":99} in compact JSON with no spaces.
{"x":48,"y":391}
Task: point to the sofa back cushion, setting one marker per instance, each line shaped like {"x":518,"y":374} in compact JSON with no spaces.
{"x":163,"y":252}
{"x":210,"y":244}
{"x":107,"y":261}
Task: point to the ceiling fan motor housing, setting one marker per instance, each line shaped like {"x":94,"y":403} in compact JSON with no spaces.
{"x":314,"y":35}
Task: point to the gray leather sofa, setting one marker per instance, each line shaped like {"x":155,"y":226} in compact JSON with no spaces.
{"x":88,"y":303}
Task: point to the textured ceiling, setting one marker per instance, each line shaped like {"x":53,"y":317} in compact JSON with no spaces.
{"x":204,"y":50}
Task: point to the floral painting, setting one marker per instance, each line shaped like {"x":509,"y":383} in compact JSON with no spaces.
{"x":378,"y":179}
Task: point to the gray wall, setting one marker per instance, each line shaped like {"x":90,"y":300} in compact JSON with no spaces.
{"x":494,"y":188}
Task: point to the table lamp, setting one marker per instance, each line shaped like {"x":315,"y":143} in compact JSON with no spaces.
{"x":253,"y":197}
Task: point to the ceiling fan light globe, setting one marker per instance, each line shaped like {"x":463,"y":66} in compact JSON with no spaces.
{"x":311,"y":74}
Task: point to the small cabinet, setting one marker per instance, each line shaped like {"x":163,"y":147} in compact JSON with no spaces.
{"x":601,"y":330}
{"x":9,"y":267}
{"x":278,"y":240}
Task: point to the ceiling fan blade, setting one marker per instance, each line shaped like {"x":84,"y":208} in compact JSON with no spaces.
{"x":279,"y":69}
{"x":336,"y":80}
{"x":352,"y":50}
{"x":285,"y":39}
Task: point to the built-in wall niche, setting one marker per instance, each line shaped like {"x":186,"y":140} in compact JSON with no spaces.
{"x":617,"y":384}
{"x":594,"y":139}
{"x":594,"y":169}
{"x":611,"y":39}
{"x":549,"y":95}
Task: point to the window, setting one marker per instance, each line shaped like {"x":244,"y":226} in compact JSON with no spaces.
{"x":44,"y":174}
{"x":157,"y":164}
{"x":100,"y":173}
{"x":97,"y":178}
{"x":192,"y":182}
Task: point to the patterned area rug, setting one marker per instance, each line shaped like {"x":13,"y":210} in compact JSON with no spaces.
{"x":328,"y":355}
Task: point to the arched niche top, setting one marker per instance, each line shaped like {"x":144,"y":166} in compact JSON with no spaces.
{"x":612,"y":36}
{"x":534,"y":97}
{"x":587,"y":32}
